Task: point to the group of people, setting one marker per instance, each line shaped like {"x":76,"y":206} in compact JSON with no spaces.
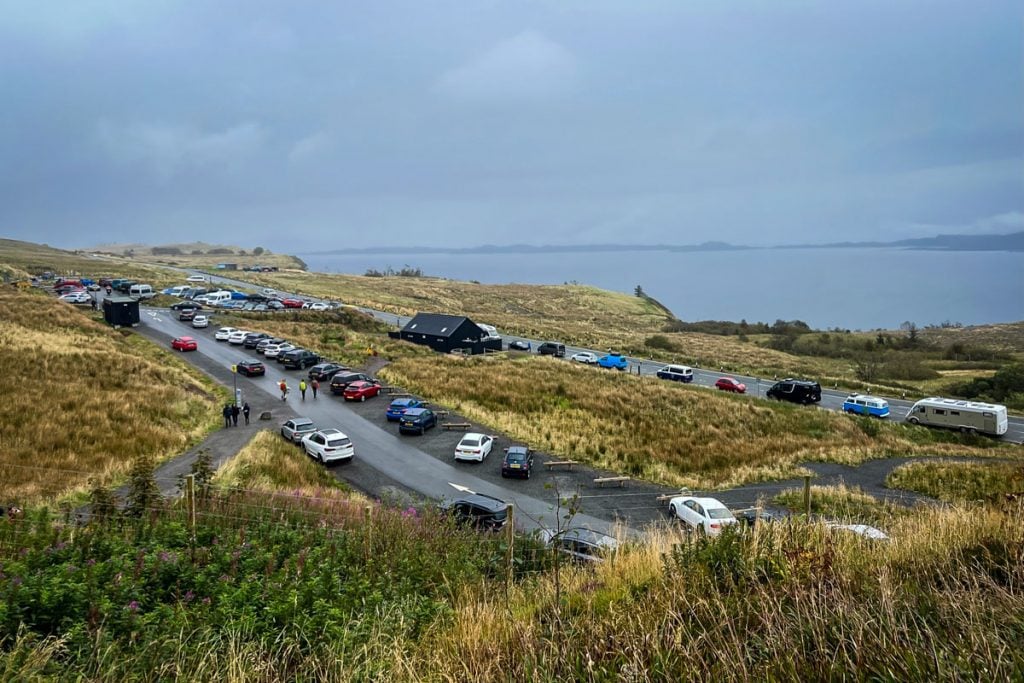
{"x":313,"y":384}
{"x":231,"y":412}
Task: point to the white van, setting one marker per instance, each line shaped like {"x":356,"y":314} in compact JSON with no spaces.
{"x":217,"y":298}
{"x":676,"y":373}
{"x":141,"y":291}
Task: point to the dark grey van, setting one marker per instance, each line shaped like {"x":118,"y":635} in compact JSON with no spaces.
{"x":552,"y":349}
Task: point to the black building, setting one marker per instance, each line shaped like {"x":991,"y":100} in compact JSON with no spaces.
{"x":121,"y":311}
{"x":446,"y":333}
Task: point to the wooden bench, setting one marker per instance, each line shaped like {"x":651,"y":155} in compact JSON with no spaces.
{"x":396,"y":392}
{"x":620,"y":481}
{"x":567,"y":464}
{"x":448,"y":426}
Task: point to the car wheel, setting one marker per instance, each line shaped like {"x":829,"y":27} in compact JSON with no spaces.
{"x":504,"y":475}
{"x":320,"y":458}
{"x":423,"y":430}
{"x":672,"y":509}
{"x":362,"y":398}
{"x":913,"y":421}
{"x":527,"y":474}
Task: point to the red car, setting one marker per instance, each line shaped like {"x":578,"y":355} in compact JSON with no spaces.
{"x":184,"y":344}
{"x":729,"y":384}
{"x":360,"y":391}
{"x":292,"y":303}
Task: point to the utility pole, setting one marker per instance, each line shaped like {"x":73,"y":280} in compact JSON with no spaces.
{"x":510,"y":513}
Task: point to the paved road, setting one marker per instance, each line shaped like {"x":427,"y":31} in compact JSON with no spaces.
{"x":831,"y":399}
{"x":381,"y":450}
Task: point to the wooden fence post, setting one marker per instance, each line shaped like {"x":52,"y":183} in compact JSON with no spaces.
{"x":511,"y":523}
{"x":190,"y":501}
{"x":807,"y":497}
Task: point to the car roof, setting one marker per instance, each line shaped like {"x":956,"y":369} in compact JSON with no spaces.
{"x":703,"y":502}
{"x":402,"y":401}
{"x":331,"y":432}
{"x":302,"y":421}
{"x":413,"y":412}
{"x":482,"y":500}
{"x":186,"y":339}
{"x":589,"y":536}
{"x":358,"y":384}
{"x":518,"y":449}
{"x":473,"y":435}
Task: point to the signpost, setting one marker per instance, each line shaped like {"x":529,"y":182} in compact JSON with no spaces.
{"x":234,"y":382}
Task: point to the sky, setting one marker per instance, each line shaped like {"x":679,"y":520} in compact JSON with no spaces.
{"x":303,"y":126}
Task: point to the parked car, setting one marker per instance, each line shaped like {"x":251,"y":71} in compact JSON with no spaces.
{"x":750,"y":516}
{"x":81,"y":297}
{"x":795,"y":391}
{"x":319,"y":306}
{"x":341,"y":380}
{"x":361,"y":390}
{"x":274,"y":305}
{"x":299,"y":358}
{"x":187,"y":315}
{"x":613,"y":360}
{"x":705,"y":515}
{"x":729,"y":384}
{"x":200,"y":321}
{"x":552,"y":349}
{"x":416,"y":421}
{"x":398,"y":407}
{"x":518,"y":462}
{"x":254,"y":338}
{"x":676,"y":373}
{"x":485,"y":513}
{"x":519,"y":345}
{"x":251,"y":368}
{"x":275,"y":350}
{"x":261,"y":346}
{"x":580,"y":544}
{"x":223,"y":333}
{"x":474,"y":446}
{"x":184,"y":344}
{"x":294,"y":429}
{"x":325,"y":371}
{"x":862,"y":404}
{"x":328,"y":446}
{"x":292,"y":303}
{"x":585,"y":357}
{"x":196,"y":278}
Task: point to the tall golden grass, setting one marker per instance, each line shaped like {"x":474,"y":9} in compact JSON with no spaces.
{"x":23,"y":259}
{"x":640,"y":426}
{"x":954,"y":481}
{"x":81,"y":399}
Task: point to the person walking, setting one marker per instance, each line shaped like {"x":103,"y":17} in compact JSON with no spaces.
{"x":284,"y":389}
{"x":235,"y":410}
{"x":227,"y":414}
{"x":302,"y":388}
{"x":315,"y":386}
{"x":245,"y":411}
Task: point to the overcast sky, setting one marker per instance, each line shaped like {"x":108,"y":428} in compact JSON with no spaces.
{"x":302,"y":125}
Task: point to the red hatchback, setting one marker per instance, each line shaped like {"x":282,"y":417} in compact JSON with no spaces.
{"x":184,"y":344}
{"x":729,"y":384}
{"x":292,"y":303}
{"x":360,"y":391}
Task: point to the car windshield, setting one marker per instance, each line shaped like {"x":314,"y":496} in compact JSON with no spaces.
{"x":470,"y":442}
{"x":719,"y":513}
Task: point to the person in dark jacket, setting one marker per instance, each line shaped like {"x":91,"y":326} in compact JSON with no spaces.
{"x":227,"y":414}
{"x":245,"y":411}
{"x":235,"y":410}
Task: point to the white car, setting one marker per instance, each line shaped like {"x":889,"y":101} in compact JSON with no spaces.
{"x":328,"y":445}
{"x":200,"y":321}
{"x":196,"y":278}
{"x":76,"y":298}
{"x":275,"y":350}
{"x":701,"y":514}
{"x":319,"y":306}
{"x":474,"y":447}
{"x":267,"y":291}
{"x":584,"y":357}
{"x":223,"y":333}
{"x":237,"y":337}
{"x":861,"y":530}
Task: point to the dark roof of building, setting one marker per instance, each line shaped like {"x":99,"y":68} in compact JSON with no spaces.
{"x":121,"y":299}
{"x":435,"y":324}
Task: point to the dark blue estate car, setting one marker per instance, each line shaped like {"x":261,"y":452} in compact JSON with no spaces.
{"x":417,"y":421}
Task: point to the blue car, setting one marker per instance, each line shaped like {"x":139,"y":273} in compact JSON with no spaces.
{"x":398,"y":407}
{"x":862,"y":404}
{"x":613,"y":360}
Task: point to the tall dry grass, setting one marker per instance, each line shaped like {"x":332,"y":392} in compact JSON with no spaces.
{"x":81,"y":399}
{"x":676,"y":435}
{"x":953,"y":481}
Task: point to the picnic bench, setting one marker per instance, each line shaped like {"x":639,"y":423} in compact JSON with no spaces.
{"x":448,"y":426}
{"x":567,"y":464}
{"x":396,"y":392}
{"x":619,"y":481}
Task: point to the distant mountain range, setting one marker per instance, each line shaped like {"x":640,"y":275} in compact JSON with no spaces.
{"x":1011,"y":242}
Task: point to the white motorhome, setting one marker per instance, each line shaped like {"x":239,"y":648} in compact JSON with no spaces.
{"x":490,"y":332}
{"x":214,"y":298}
{"x":967,"y":416}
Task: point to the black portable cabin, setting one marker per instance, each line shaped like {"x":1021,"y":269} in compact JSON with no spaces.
{"x":121,"y":311}
{"x":447,"y":333}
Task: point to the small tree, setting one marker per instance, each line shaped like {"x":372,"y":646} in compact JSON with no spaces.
{"x":143,"y":493}
{"x":639,"y":291}
{"x":102,"y":503}
{"x":258,"y":251}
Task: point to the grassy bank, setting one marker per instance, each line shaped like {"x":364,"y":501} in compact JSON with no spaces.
{"x":23,"y":259}
{"x":953,"y":481}
{"x":200,"y":255}
{"x":82,"y":399}
{"x":842,"y":504}
{"x":264,"y":595}
{"x":675,"y":435}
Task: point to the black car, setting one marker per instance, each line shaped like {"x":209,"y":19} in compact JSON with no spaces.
{"x":485,"y":513}
{"x":253,"y":338}
{"x":187,"y":314}
{"x":251,"y":368}
{"x":795,"y":391}
{"x":341,"y":380}
{"x":187,"y":306}
{"x":416,"y":421}
{"x":754,"y":515}
{"x":552,"y":349}
{"x":325,"y":371}
{"x":519,"y":345}
{"x":297,"y":359}
{"x":262,"y":344}
{"x":518,"y":462}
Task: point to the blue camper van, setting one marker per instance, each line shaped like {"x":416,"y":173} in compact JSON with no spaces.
{"x":862,"y":404}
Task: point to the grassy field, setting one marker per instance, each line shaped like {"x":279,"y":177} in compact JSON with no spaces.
{"x":19,"y":260}
{"x":85,"y":400}
{"x":199,"y":255}
{"x":663,"y":432}
{"x":843,"y":504}
{"x":953,"y":481}
{"x":265,"y":595}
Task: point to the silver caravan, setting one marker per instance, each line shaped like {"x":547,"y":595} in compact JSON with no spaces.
{"x":967,"y":416}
